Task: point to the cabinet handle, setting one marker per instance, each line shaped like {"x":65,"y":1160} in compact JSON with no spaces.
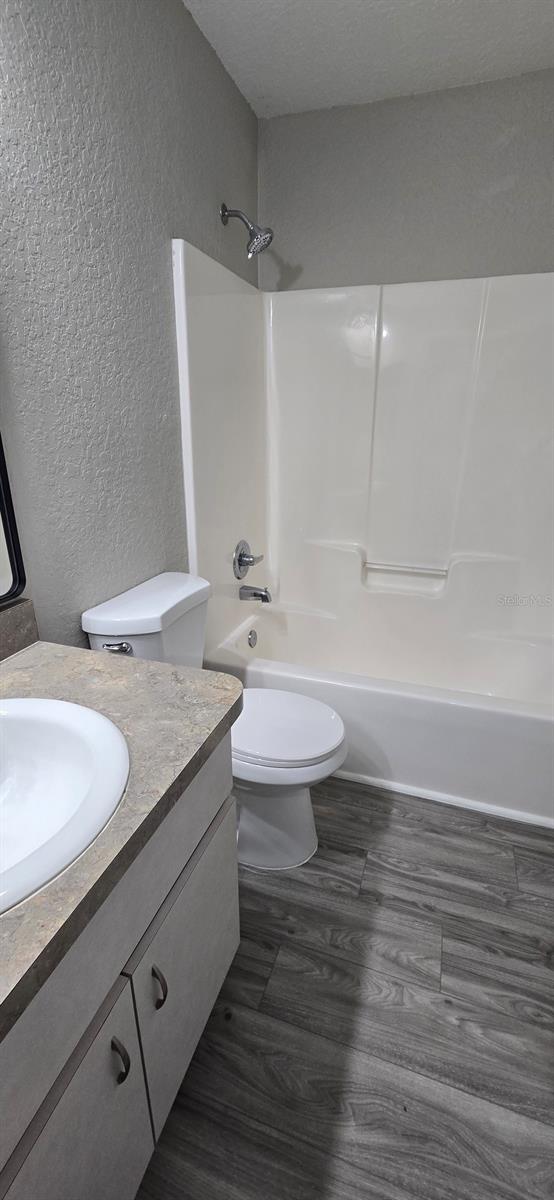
{"x":119,"y":1048}
{"x":161,"y":979}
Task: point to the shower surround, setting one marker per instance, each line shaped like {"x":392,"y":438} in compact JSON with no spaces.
{"x":389,"y":449}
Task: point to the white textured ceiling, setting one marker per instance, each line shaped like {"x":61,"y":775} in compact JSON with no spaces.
{"x":292,"y":55}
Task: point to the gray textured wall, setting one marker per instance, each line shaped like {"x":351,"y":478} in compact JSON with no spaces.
{"x":120,"y":129}
{"x":446,"y":185}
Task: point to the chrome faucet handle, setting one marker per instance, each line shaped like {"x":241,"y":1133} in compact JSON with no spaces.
{"x":243,"y":559}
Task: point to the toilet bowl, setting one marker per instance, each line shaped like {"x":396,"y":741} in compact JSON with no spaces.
{"x":282,"y":743}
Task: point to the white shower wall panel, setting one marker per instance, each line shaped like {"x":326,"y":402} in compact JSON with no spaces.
{"x":427,"y":446}
{"x":220,"y":340}
{"x":506,"y":502}
{"x":321,"y":378}
{"x":427,"y":366}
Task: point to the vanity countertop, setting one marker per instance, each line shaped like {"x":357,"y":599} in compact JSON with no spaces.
{"x":172,"y":719}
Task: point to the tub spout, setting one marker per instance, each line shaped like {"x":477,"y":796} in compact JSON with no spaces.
{"x":255,"y":593}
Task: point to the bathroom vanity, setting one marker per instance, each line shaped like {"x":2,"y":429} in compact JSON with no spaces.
{"x":109,"y":973}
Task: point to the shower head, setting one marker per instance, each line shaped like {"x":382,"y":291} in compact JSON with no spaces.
{"x":259,"y":239}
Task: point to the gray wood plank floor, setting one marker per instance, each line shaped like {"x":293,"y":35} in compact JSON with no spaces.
{"x":386,"y":1031}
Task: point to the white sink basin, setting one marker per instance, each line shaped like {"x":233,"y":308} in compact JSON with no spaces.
{"x":63,"y":771}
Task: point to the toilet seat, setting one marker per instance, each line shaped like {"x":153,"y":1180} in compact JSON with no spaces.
{"x":294,"y":776}
{"x":283,"y":731}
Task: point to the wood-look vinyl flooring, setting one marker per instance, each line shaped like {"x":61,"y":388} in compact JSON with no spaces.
{"x":386,"y":1031}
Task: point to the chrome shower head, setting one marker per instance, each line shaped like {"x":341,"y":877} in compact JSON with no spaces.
{"x":259,"y":238}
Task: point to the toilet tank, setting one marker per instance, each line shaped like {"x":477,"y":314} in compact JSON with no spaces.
{"x":163,"y":619}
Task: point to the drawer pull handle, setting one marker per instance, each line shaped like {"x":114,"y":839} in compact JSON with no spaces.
{"x":119,"y":1049}
{"x":161,"y":979}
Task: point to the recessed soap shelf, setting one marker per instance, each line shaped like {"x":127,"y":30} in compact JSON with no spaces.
{"x":401,"y":577}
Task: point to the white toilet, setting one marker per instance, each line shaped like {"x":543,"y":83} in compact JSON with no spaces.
{"x":282,"y":742}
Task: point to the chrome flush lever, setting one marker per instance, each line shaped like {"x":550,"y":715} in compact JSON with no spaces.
{"x":243,"y":559}
{"x":118,"y":647}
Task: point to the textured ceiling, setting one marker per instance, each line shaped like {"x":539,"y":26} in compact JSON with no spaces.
{"x":292,"y":55}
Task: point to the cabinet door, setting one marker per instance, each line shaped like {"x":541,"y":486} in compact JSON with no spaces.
{"x":92,"y":1137}
{"x":178,"y":977}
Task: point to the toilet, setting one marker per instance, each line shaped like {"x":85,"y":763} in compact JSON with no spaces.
{"x":282,"y":742}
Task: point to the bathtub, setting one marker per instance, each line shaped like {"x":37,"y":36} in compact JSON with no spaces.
{"x":486,"y":747}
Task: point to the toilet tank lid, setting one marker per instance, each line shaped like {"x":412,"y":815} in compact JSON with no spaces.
{"x":149,"y":607}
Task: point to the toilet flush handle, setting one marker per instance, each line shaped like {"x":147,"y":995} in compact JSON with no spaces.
{"x":118,"y":647}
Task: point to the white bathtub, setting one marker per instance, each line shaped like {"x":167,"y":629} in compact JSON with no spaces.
{"x":490,"y":752}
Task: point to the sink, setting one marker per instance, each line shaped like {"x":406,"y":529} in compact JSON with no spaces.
{"x":63,"y":771}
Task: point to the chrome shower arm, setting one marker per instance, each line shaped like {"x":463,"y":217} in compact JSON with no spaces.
{"x":225,"y":213}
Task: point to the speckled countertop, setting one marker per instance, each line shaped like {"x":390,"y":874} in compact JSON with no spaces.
{"x":172,"y":719}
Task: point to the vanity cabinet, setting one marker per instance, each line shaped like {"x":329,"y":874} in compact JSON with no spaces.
{"x":93,"y":1134}
{"x":47,"y":1032}
{"x":92,"y":1137}
{"x":180,"y":964}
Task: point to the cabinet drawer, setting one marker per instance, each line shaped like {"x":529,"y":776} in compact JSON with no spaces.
{"x":176,"y":976}
{"x":92,"y":1136}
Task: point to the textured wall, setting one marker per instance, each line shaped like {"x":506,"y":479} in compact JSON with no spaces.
{"x":446,"y":185}
{"x":121,"y":129}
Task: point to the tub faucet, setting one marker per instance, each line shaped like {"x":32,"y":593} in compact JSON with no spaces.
{"x":254,"y":593}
